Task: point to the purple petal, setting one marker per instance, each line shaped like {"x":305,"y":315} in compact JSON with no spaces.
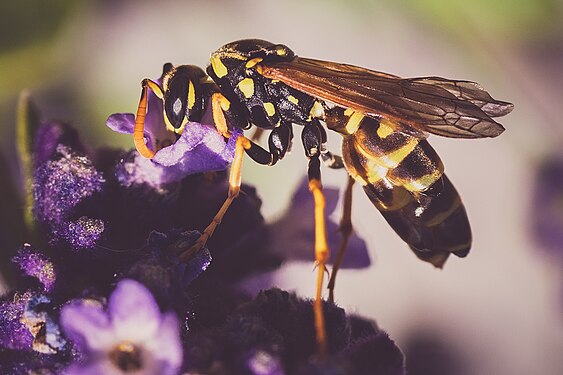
{"x":49,"y":136}
{"x":155,"y":128}
{"x":295,"y":231}
{"x":94,"y":367}
{"x":14,"y":334}
{"x":61,"y":184}
{"x":166,"y":346}
{"x":200,"y":148}
{"x":134,"y":313}
{"x":85,"y":323}
{"x":37,"y":265}
{"x":121,"y":122}
{"x":83,"y":233}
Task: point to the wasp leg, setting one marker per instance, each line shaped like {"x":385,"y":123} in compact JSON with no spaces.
{"x":329,"y":159}
{"x":259,"y":155}
{"x":346,"y":229}
{"x":234,"y":189}
{"x":332,"y":161}
{"x":280,"y":139}
{"x":279,"y":143}
{"x":139,"y":131}
{"x":311,"y":138}
{"x":219,"y":105}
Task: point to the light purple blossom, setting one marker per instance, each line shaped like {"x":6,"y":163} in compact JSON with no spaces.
{"x":200,"y":148}
{"x":132,"y":336}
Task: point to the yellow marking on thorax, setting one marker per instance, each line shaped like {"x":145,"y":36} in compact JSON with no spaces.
{"x":253,"y":62}
{"x":353,"y":122}
{"x":317,"y":110}
{"x":384,"y":130}
{"x":191,"y":95}
{"x":281,"y":51}
{"x":270,"y":110}
{"x":246,"y":86}
{"x":293,"y":99}
{"x":218,"y":67}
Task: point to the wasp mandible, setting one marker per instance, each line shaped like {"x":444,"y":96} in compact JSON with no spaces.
{"x":384,"y":121}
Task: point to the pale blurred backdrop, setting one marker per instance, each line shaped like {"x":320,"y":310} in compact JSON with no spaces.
{"x":499,"y":311}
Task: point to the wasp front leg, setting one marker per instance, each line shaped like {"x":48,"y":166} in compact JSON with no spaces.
{"x":279,"y":141}
{"x":139,"y":130}
{"x":235,"y":174}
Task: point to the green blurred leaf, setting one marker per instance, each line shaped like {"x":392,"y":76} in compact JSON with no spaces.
{"x":506,"y":18}
{"x":27,"y":124}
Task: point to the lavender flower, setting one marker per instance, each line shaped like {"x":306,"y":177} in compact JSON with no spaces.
{"x":26,"y":325}
{"x":33,"y":263}
{"x":200,"y":148}
{"x":274,"y":334}
{"x":131,"y":336}
{"x":60,"y":185}
{"x":109,"y":201}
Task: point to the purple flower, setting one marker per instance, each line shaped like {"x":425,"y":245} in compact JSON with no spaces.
{"x":14,"y":334}
{"x":131,"y":336}
{"x":60,"y":185}
{"x":274,"y":334}
{"x":200,"y":148}
{"x":295,"y":230}
{"x":35,"y":264}
{"x":25,"y":325}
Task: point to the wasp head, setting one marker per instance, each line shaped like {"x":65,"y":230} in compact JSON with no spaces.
{"x":182,"y":91}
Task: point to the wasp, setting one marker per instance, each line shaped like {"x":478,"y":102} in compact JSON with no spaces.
{"x":383,"y":119}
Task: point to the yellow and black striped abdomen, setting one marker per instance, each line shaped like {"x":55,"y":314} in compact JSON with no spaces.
{"x":404,"y":178}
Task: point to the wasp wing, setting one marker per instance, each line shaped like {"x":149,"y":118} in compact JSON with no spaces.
{"x":450,"y":108}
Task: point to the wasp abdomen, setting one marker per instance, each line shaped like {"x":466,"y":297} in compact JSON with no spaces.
{"x":404,"y":178}
{"x":406,"y":160}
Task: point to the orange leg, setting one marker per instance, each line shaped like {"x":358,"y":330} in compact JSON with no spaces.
{"x":346,"y":230}
{"x":321,"y":257}
{"x":219,"y":104}
{"x":234,"y":189}
{"x":139,"y":131}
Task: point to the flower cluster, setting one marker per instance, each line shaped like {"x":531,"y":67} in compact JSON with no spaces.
{"x":100,"y":289}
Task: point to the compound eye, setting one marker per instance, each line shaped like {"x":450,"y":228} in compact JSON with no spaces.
{"x":175,"y":101}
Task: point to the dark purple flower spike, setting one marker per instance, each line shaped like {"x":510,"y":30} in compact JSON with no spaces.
{"x":60,"y":185}
{"x":26,"y":325}
{"x":37,"y":265}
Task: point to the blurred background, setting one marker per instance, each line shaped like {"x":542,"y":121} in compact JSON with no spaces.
{"x":499,"y":311}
